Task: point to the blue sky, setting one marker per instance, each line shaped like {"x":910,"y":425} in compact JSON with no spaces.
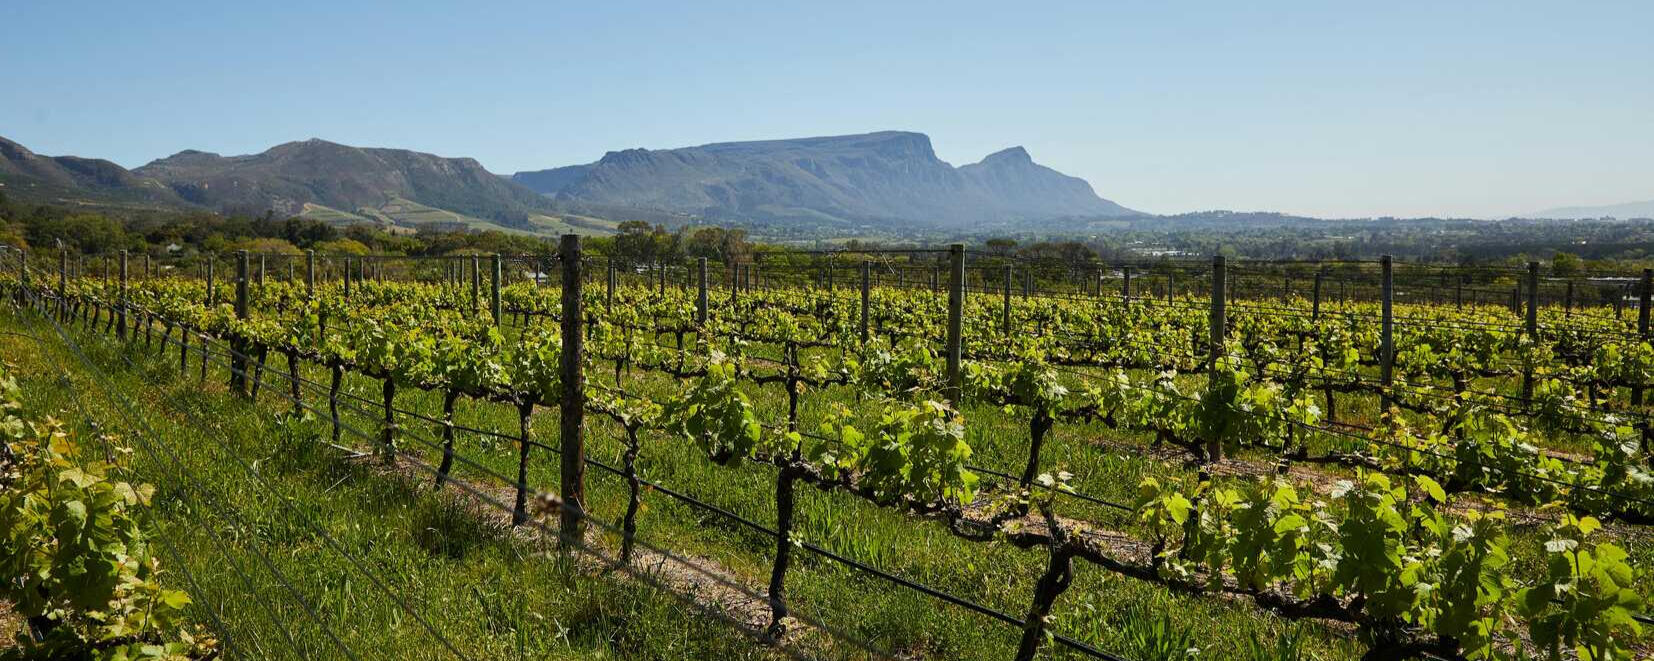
{"x":1324,"y":108}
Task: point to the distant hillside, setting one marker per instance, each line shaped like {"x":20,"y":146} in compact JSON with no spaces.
{"x":288,"y":178}
{"x":1621,"y":211}
{"x":75,"y":180}
{"x":891,"y":177}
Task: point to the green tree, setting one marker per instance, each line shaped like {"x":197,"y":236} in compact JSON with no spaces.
{"x":1565,"y":264}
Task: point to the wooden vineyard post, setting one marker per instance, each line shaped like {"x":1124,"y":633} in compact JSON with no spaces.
{"x":610,"y":301}
{"x":344,"y":274}
{"x":866,"y":296}
{"x":1125,"y":285}
{"x":1568,"y":302}
{"x":1387,"y":347}
{"x":238,"y":362}
{"x":476,"y":282}
{"x":573,"y":405}
{"x":1532,"y":327}
{"x":1458,"y":293}
{"x":1171,"y":286}
{"x":261,"y":271}
{"x":62,"y":283}
{"x":1315,"y":298}
{"x":22,"y":277}
{"x":1219,"y":323}
{"x":1643,"y":295}
{"x":700,"y":294}
{"x":494,"y":288}
{"x":1218,"y":316}
{"x":734,"y":281}
{"x":120,"y":304}
{"x":956,"y":310}
{"x":1315,"y":325}
{"x":211,"y":294}
{"x":1005,"y":304}
{"x":310,"y":273}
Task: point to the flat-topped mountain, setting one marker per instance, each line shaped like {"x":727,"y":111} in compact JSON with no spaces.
{"x":885,"y":177}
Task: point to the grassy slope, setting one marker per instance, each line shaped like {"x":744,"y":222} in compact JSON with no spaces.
{"x":489,"y":594}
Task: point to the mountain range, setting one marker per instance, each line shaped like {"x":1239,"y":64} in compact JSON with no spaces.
{"x":889,"y":179}
{"x":875,"y":178}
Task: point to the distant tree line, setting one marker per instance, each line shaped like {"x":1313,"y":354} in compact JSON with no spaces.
{"x":1566,"y":245}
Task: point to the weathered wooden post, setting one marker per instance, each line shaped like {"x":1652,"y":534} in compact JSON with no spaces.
{"x":238,"y":348}
{"x":1219,"y":323}
{"x":734,"y":281}
{"x":1387,"y":347}
{"x":573,"y":404}
{"x":1643,"y":296}
{"x":956,"y":310}
{"x":494,"y":288}
{"x":1532,"y":327}
{"x":476,"y":282}
{"x":700,"y":294}
{"x":613,"y":274}
{"x":1005,"y":304}
{"x":1315,"y":325}
{"x":23,"y":277}
{"x":62,"y":283}
{"x":120,"y":314}
{"x":1125,"y":285}
{"x":1315,"y":298}
{"x":866,"y":296}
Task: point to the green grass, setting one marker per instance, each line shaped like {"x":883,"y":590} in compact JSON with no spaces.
{"x":239,"y":532}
